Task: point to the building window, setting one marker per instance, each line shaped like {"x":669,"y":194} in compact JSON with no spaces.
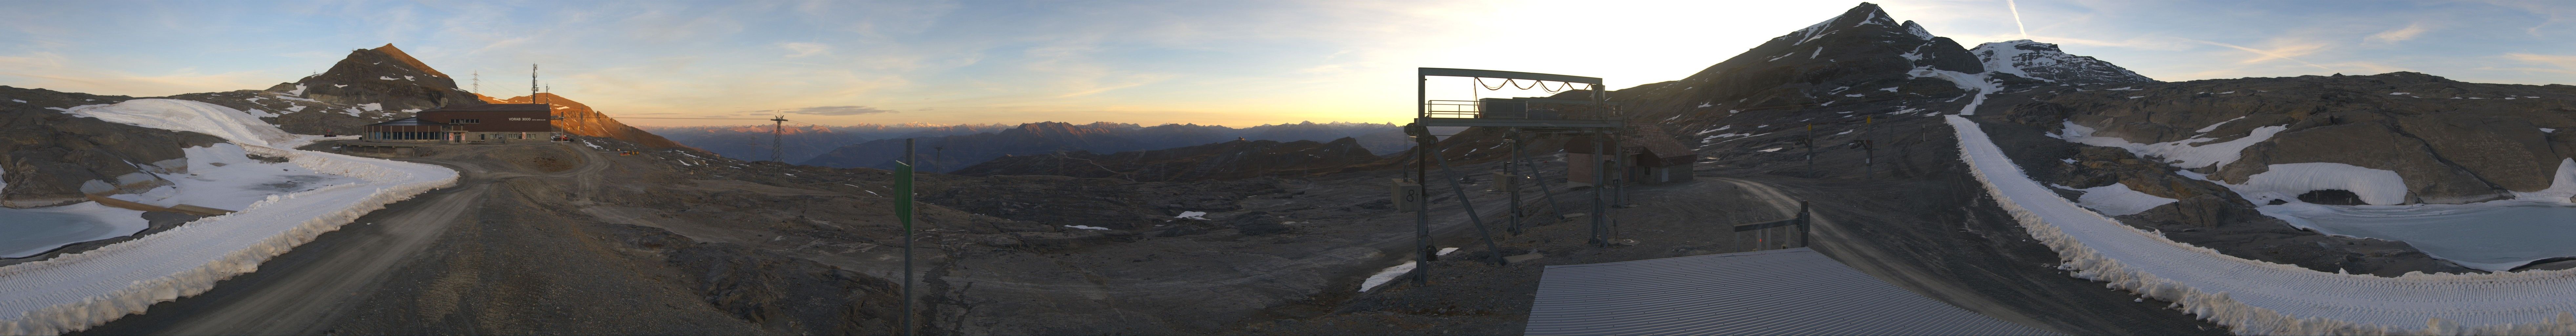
{"x":465,"y":121}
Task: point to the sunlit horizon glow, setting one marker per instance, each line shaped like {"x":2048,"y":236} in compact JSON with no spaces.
{"x":1209,"y":63}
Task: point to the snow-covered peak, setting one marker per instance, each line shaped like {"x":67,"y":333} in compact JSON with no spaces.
{"x":2043,"y":61}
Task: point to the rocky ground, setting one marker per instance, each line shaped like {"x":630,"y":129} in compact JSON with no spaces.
{"x":52,"y":157}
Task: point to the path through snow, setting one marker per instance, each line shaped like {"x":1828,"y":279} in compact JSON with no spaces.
{"x":2255,"y":297}
{"x":75,"y":291}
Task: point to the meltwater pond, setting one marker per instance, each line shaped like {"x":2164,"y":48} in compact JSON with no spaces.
{"x":26,"y":232}
{"x":2493,"y":236}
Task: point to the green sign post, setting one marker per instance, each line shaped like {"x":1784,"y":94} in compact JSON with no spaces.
{"x":903,"y":212}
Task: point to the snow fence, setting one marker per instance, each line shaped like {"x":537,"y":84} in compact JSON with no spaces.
{"x":2262,"y":298}
{"x":76,"y":291}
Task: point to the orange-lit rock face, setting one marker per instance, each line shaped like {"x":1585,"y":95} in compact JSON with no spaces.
{"x":406,"y":59}
{"x":580,"y":120}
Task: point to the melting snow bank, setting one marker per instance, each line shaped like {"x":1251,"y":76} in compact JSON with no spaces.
{"x":1392,"y":272}
{"x":1965,"y":81}
{"x":2118,"y":200}
{"x":2181,"y":153}
{"x":2262,"y":298}
{"x":75,"y":291}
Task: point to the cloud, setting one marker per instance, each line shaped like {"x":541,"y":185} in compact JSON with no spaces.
{"x":2565,"y":64}
{"x":832,"y":110}
{"x":2396,"y":35}
{"x":70,"y":74}
{"x":803,"y":49}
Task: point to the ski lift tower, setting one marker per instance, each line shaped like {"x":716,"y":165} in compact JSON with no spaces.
{"x":1593,"y":115}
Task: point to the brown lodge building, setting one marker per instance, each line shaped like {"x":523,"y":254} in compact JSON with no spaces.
{"x":463,"y":123}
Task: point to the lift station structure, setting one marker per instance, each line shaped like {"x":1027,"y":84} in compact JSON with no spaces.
{"x":1592,"y":116}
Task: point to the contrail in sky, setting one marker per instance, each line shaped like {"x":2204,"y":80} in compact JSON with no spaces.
{"x":2016,"y":11}
{"x":2264,"y":53}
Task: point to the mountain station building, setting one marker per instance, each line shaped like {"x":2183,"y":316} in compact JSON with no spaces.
{"x":464,"y":123}
{"x":1651,"y":159}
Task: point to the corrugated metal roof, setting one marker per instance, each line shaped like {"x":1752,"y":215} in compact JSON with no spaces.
{"x":493,"y":107}
{"x":1777,"y":292}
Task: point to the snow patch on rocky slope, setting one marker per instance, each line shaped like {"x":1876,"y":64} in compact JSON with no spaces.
{"x":2046,"y":62}
{"x":76,"y":291}
{"x":2180,"y":153}
{"x":2261,"y":298}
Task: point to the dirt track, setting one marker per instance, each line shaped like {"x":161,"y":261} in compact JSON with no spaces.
{"x":340,"y":282}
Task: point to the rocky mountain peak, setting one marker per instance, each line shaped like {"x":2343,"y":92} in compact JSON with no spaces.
{"x":398,"y":55}
{"x":1867,"y":14}
{"x":1862,"y":54}
{"x":2044,"y":61}
{"x":384,"y":75}
{"x":1917,"y":30}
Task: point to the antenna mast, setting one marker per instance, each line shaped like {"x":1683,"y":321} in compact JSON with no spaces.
{"x":778,"y":127}
{"x":532,"y":83}
{"x":478,"y":82}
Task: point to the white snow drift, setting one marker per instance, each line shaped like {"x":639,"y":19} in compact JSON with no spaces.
{"x":2261,"y":298}
{"x":2286,"y":181}
{"x":76,"y":291}
{"x":2179,"y":152}
{"x":2118,"y":200}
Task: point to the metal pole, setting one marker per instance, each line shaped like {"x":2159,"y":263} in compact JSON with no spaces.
{"x":1514,"y":188}
{"x":1469,"y":206}
{"x":904,"y":198}
{"x":778,"y":142}
{"x":1803,"y":221}
{"x":1422,"y":216}
{"x":1619,"y":187}
{"x":1600,"y":179}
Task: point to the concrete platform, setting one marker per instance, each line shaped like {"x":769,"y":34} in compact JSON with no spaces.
{"x":1777,"y":292}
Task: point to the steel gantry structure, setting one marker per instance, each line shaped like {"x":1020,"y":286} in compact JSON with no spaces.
{"x":1593,"y":116}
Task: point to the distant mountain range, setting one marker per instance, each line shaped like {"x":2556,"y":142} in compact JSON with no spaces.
{"x":803,"y":142}
{"x":1217,"y":161}
{"x":952,"y":152}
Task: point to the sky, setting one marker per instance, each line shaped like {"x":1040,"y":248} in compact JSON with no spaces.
{"x":1236,"y":63}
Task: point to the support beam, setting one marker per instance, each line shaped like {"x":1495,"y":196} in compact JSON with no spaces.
{"x":1545,"y":193}
{"x":1464,"y":203}
{"x":1514,"y":188}
{"x":1447,"y":72}
{"x":1600,"y":179}
{"x":1421,"y":218}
